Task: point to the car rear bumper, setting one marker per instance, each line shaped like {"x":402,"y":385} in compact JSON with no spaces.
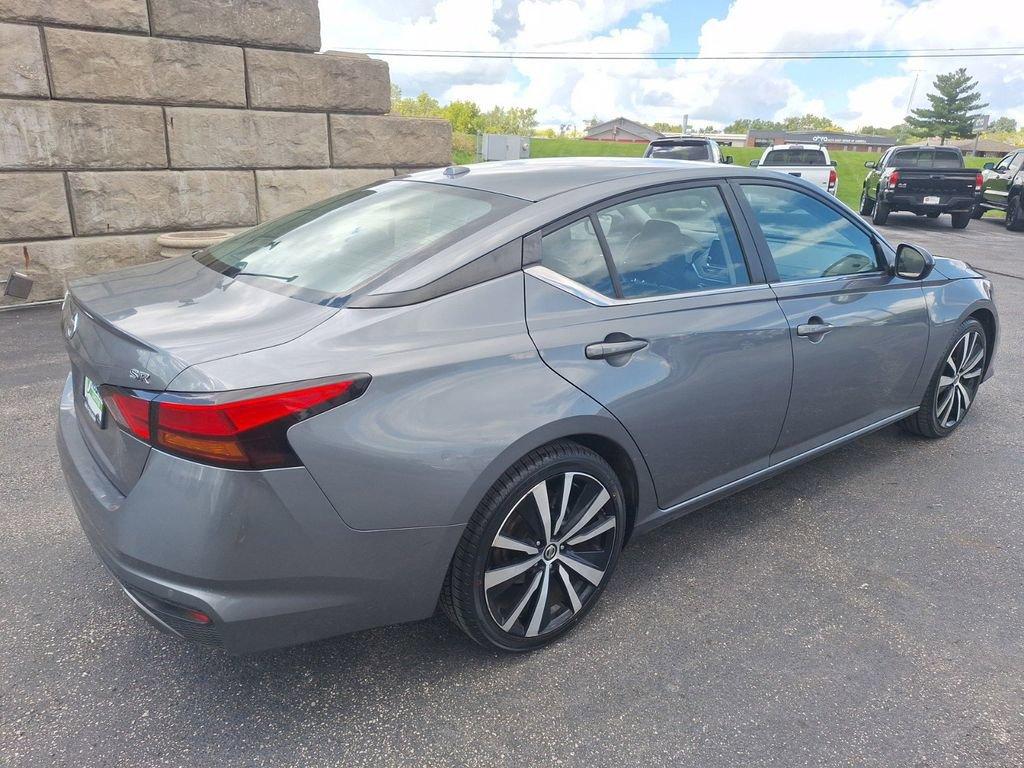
{"x":915,"y":203}
{"x":263,"y":554}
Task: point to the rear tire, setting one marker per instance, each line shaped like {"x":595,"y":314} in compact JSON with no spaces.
{"x":977,"y":212}
{"x":881,"y":213}
{"x":1014,"y":215}
{"x":509,"y":531}
{"x":961,"y":220}
{"x":932,"y":215}
{"x":962,"y":368}
{"x":866,"y":203}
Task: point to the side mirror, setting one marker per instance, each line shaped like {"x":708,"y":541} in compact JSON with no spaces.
{"x":753,"y":163}
{"x":870,"y":164}
{"x":833,"y":163}
{"x":988,"y":166}
{"x":728,"y":160}
{"x":913,"y":262}
{"x":17,"y":285}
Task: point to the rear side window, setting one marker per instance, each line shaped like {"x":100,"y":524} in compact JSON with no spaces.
{"x":575,"y":251}
{"x":691,"y":151}
{"x":659,"y":245}
{"x":795,"y":157}
{"x":323,"y":253}
{"x":807,"y":238}
{"x":674,"y":242}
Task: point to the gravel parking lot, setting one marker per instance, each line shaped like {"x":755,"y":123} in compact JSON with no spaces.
{"x":866,"y":609}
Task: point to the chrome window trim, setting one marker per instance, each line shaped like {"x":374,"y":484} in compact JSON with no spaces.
{"x":828,"y":278}
{"x":580,"y":291}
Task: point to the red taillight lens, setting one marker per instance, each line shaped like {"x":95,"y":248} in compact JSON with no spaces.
{"x":978,"y":181}
{"x":129,"y":411}
{"x":241,"y":430}
{"x":894,"y":179}
{"x":833,"y":177}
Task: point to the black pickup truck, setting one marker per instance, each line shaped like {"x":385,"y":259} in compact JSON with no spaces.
{"x":928,"y":181}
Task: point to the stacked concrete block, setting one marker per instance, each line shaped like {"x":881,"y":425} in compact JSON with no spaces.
{"x":122,"y":119}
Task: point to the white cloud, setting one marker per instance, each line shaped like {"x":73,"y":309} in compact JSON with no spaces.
{"x":710,"y":91}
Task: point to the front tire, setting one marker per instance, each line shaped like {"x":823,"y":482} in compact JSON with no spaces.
{"x":954,"y":385}
{"x":866,"y":203}
{"x":539,"y":549}
{"x":1015,"y":215}
{"x":961,"y":220}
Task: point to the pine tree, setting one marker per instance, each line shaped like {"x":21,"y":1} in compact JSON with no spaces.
{"x":953,"y":110}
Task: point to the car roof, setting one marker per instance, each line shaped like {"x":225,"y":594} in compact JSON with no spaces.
{"x":538,"y":179}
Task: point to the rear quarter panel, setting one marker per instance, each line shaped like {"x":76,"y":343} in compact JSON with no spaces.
{"x":458,"y":394}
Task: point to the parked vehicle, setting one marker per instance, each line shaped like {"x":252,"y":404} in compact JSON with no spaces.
{"x":698,"y":148}
{"x":1002,"y":189}
{"x":927,"y":181}
{"x":810,"y":162}
{"x":473,"y":386}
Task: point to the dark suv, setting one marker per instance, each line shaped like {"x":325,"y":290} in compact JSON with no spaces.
{"x":1002,"y":188}
{"x":697,"y":148}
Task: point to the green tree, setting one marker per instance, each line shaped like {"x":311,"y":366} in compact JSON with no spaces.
{"x":518,"y":120}
{"x":1003,"y":125}
{"x":955,"y":105}
{"x":810,"y":123}
{"x":423,"y":105}
{"x":668,"y":127}
{"x":463,"y":115}
{"x":747,"y":124}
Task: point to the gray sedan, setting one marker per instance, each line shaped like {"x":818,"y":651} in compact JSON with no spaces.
{"x":472,"y":387}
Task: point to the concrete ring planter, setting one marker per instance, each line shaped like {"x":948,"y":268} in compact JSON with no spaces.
{"x":183,"y":243}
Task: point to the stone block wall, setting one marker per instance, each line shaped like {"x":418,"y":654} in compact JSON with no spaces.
{"x":121,"y":119}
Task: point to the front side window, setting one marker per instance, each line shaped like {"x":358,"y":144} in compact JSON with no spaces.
{"x":795,"y":157}
{"x":324,"y":252}
{"x":807,"y":238}
{"x":674,"y":242}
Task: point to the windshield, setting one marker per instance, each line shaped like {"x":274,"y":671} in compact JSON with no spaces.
{"x":795,"y":157}
{"x":928,"y":158}
{"x":323,"y":253}
{"x":691,"y":151}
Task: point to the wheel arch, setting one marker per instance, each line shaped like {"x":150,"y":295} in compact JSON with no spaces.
{"x":602,"y":434}
{"x":987,"y":318}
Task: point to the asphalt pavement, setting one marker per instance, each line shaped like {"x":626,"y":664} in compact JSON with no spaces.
{"x":865,"y":609}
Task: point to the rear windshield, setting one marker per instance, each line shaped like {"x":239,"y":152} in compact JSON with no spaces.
{"x":927,"y":158}
{"x":323,"y":253}
{"x":795,"y":157}
{"x":697,"y":150}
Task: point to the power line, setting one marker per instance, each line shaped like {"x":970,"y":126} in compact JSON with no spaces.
{"x":949,"y":53}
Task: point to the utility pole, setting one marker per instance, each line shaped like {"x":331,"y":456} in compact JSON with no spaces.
{"x":913,"y":90}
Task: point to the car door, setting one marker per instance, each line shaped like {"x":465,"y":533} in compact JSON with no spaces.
{"x":859,"y":333}
{"x":655,"y":305}
{"x":997,"y":180}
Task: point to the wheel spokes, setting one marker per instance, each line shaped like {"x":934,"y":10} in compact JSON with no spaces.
{"x":570,"y":590}
{"x":540,"y":498}
{"x":587,"y":571}
{"x":595,"y":506}
{"x":542,"y":604}
{"x":515,"y":545}
{"x":496,"y":576}
{"x":513,"y":617}
{"x":564,"y":506}
{"x":595,"y":530}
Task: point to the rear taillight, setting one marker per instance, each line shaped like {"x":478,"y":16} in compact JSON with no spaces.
{"x":978,"y":181}
{"x":833,"y":177}
{"x":246,"y":429}
{"x":894,"y":179}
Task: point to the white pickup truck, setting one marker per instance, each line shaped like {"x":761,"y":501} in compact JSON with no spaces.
{"x":806,"y":161}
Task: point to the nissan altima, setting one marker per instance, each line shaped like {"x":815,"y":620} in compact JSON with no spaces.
{"x":471,"y":387}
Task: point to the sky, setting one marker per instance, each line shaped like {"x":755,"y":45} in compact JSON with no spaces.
{"x":853,"y":93}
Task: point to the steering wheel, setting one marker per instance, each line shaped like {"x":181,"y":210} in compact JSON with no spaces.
{"x":850,"y":264}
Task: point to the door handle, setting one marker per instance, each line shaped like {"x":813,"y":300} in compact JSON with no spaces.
{"x":604,"y":350}
{"x":814,"y":329}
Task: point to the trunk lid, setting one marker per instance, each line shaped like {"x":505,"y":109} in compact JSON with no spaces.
{"x":140,"y":327}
